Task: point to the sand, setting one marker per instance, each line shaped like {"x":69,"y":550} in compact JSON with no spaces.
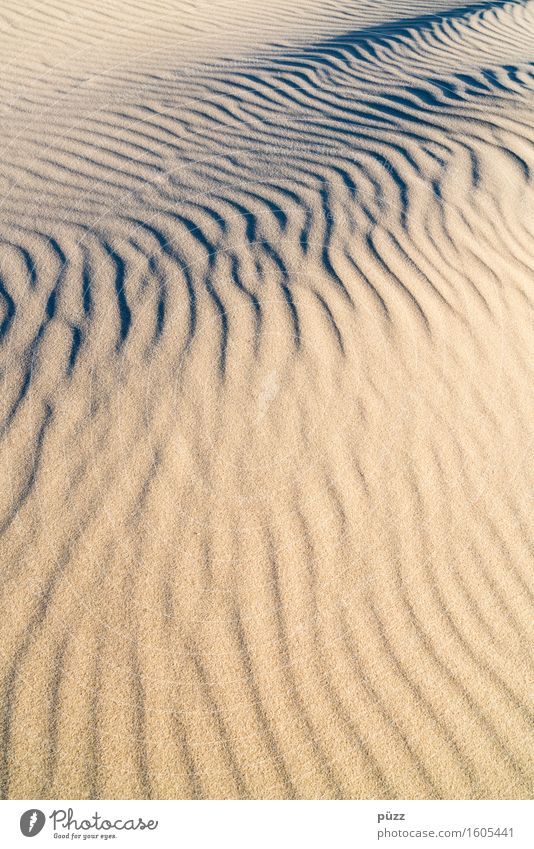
{"x":266,"y":358}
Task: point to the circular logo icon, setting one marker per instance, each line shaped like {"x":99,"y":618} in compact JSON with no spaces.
{"x":31,"y":822}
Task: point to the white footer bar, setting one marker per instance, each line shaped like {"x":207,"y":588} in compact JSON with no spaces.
{"x":269,"y":825}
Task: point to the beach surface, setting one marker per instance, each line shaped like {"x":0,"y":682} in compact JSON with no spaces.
{"x":266,"y":407}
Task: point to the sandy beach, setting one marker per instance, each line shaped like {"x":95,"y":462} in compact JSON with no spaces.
{"x":266,"y":399}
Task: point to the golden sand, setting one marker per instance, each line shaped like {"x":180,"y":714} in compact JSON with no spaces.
{"x":266,"y":356}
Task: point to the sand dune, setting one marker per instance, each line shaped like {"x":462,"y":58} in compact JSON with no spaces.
{"x":266,"y":414}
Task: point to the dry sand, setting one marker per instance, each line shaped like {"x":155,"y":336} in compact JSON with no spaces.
{"x":266,"y":352}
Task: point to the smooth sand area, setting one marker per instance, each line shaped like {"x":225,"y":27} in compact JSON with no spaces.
{"x":266,"y":399}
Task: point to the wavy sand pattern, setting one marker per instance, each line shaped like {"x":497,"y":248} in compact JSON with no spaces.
{"x":266,"y":305}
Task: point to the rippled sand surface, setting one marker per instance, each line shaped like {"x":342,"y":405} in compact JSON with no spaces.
{"x":266,"y":361}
